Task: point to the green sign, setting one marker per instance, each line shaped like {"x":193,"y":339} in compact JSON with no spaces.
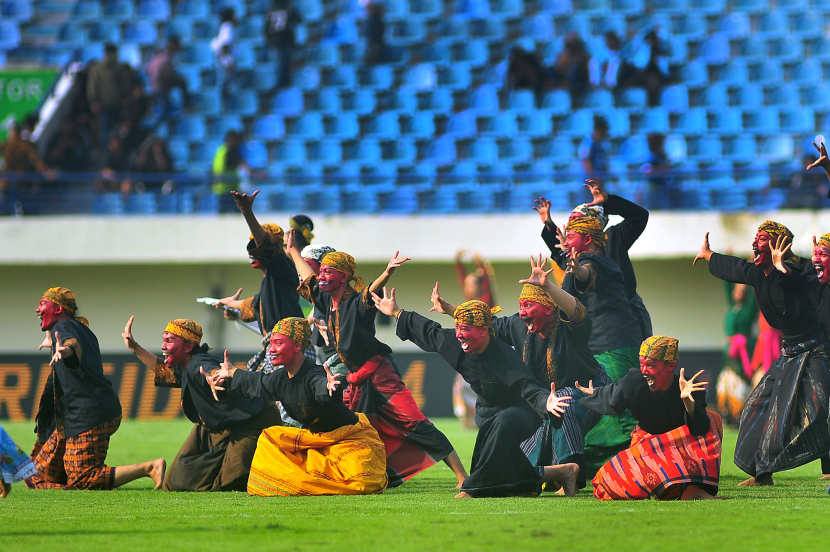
{"x":20,"y":93}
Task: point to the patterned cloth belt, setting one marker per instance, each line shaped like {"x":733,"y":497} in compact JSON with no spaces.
{"x":800,"y":348}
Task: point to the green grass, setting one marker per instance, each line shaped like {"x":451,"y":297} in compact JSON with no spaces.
{"x":420,"y":515}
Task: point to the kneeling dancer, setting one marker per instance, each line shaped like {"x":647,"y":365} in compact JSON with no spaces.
{"x":338,"y":452}
{"x":510,"y":402}
{"x":79,"y":410}
{"x":217,"y":454}
{"x":676,"y":446}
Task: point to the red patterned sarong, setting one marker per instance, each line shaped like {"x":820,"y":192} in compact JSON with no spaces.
{"x":660,"y":466}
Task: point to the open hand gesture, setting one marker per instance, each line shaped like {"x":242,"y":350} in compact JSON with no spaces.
{"x":291,"y":241}
{"x":47,"y":342}
{"x":599,"y":196}
{"x":386,"y":304}
{"x":587,"y":390}
{"x":778,"y":251}
{"x":538,"y":274}
{"x":331,"y":380}
{"x":396,"y":262}
{"x":687,"y":387}
{"x":439,"y":304}
{"x":557,"y":405}
{"x":61,"y":352}
{"x":823,"y":161}
{"x":225,"y":301}
{"x":127,"y":334}
{"x":705,"y":252}
{"x":323,"y":328}
{"x":244,"y":201}
{"x":215,"y":380}
{"x":543,"y":208}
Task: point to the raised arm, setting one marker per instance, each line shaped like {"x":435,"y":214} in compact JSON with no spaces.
{"x":823,"y":161}
{"x":381,"y":281}
{"x":245,"y":203}
{"x":303,"y":267}
{"x":705,"y":251}
{"x":439,"y":304}
{"x":539,"y":277}
{"x":147,"y":358}
{"x":635,"y":219}
{"x":691,"y":393}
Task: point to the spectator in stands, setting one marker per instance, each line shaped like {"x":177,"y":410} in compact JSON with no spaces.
{"x":20,"y":157}
{"x":222,"y":46}
{"x":106,"y":90}
{"x":524,"y":72}
{"x":279,"y":29}
{"x":136,"y":106}
{"x":228,"y":166}
{"x":649,"y":55}
{"x":375,"y":30}
{"x":69,"y":149}
{"x":163,"y":77}
{"x":604,"y":69}
{"x":658,"y":167}
{"x":593,"y":151}
{"x":571,"y":68}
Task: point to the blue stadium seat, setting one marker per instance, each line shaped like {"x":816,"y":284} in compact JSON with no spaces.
{"x":484,"y":100}
{"x":385,"y":126}
{"x":268,"y":127}
{"x":421,"y":125}
{"x":209,"y":101}
{"x":198,"y":54}
{"x":507,"y":8}
{"x":83,"y":11}
{"x":308,"y":126}
{"x":141,"y":32}
{"x":244,"y":56}
{"x":380,"y":178}
{"x":484,"y":150}
{"x":517,"y":150}
{"x":265,"y":77}
{"x":628,"y":7}
{"x":325,"y":53}
{"x":244,"y":102}
{"x":307,"y":78}
{"x":807,"y":71}
{"x":404,"y":151}
{"x":635,"y":100}
{"x":817,"y":96}
{"x":288,"y":102}
{"x":396,"y":9}
{"x":729,"y":197}
{"x":475,"y":52}
{"x":540,"y":27}
{"x":672,"y":6}
{"x":404,"y":101}
{"x":153,"y":10}
{"x":613,"y":22}
{"x":462,"y":125}
{"x":250,"y":30}
{"x":362,"y":101}
{"x":487,"y":29}
{"x":536,"y":124}
{"x":141,"y":204}
{"x":291,"y":153}
{"x":676,"y":148}
{"x":118,"y":10}
{"x":464,"y":173}
{"x":715,"y":49}
{"x":379,"y":77}
{"x":367,"y":151}
{"x":180,"y":152}
{"x":342,"y":76}
{"x":741,"y":149}
{"x":555,"y":7}
{"x":706,"y":149}
{"x":192,"y":76}
{"x":325,"y":152}
{"x":420,"y":77}
{"x":560,"y":151}
{"x":343,"y":30}
{"x":201,"y":158}
{"x":692,"y":26}
{"x":108,"y":204}
{"x":452,"y":28}
{"x":344,"y":126}
{"x":193,"y":9}
{"x":735,"y":25}
{"x":191,"y":128}
{"x":442,"y":151}
{"x":619,"y":123}
{"x":753,"y":49}
{"x":181,"y":28}
{"x":599,"y":99}
{"x":773,"y":24}
{"x":763,"y":121}
{"x":556,"y":102}
{"x":694,"y":74}
{"x":727,"y":120}
{"x":225,"y":124}
{"x":71,"y":36}
{"x":326,"y":100}
{"x":579,"y":22}
{"x":311,"y":10}
{"x":655,"y":119}
{"x":808,"y":25}
{"x":750,"y":96}
{"x":793,"y":5}
{"x":402,"y":200}
{"x":579,"y":124}
{"x":752,"y":6}
{"x":593,"y":7}
{"x":788,"y":49}
{"x":797,"y":120}
{"x":716,"y":95}
{"x":735,"y":73}
{"x":406,"y":32}
{"x":785,"y":95}
{"x":770,"y":199}
{"x":521,"y":101}
{"x":239,"y":7}
{"x":104,"y":32}
{"x":634,"y":151}
{"x":768,"y":73}
{"x":255,"y":154}
{"x":712,"y":7}
{"x":754,"y":176}
{"x":501,"y":125}
{"x":425,"y":9}
{"x":473,"y":9}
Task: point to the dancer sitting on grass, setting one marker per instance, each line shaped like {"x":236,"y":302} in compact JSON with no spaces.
{"x":676,"y":447}
{"x":338,"y":452}
{"x":217,"y":454}
{"x":551,"y":332}
{"x":412,"y":442}
{"x":784,"y":422}
{"x":15,"y":465}
{"x":79,"y":410}
{"x":510,"y":401}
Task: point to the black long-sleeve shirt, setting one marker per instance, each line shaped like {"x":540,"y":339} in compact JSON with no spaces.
{"x":656,"y":412}
{"x":305,"y":396}
{"x":783,"y":299}
{"x":570,"y":356}
{"x":498,"y":376}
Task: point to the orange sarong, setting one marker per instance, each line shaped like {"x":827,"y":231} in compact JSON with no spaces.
{"x":290,"y":461}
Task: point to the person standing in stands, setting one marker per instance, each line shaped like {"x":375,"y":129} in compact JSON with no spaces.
{"x":228,"y":165}
{"x":163,"y":78}
{"x":593,"y":151}
{"x":279,"y":31}
{"x":107,"y":90}
{"x":375,"y":30}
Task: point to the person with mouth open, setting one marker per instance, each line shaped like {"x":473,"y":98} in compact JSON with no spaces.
{"x":376,"y":389}
{"x":337,"y":452}
{"x":79,"y":410}
{"x":675,"y":449}
{"x":217,"y":454}
{"x":784,"y":422}
{"x":510,"y":401}
{"x":551,"y":332}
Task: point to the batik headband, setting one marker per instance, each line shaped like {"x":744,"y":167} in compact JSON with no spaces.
{"x":302,"y":228}
{"x":296,"y":329}
{"x":588,"y":226}
{"x":593,"y":211}
{"x":537,"y":295}
{"x":316,"y":252}
{"x":476,"y":313}
{"x":824,"y":241}
{"x":776,"y":230}
{"x":188,"y":330}
{"x":659,"y":347}
{"x":343,"y":262}
{"x":65,"y":298}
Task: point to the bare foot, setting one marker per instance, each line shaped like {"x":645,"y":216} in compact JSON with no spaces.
{"x":565,"y":475}
{"x":464,"y":494}
{"x":5,"y":488}
{"x":157,"y":469}
{"x":693,"y":492}
{"x":459,"y":484}
{"x":765,"y":481}
{"x":825,"y":476}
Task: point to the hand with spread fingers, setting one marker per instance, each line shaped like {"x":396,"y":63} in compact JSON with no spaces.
{"x":331,"y":380}
{"x":538,"y":274}
{"x":244,"y":201}
{"x":705,"y":251}
{"x":560,"y":235}
{"x":779,"y":251}
{"x":587,"y":390}
{"x":61,"y":352}
{"x":557,"y":405}
{"x":396,"y":262}
{"x":231,"y":301}
{"x":387,"y":304}
{"x":439,"y":304}
{"x":823,"y":161}
{"x":687,"y":387}
{"x":543,"y":208}
{"x":215,"y":381}
{"x":599,"y":196}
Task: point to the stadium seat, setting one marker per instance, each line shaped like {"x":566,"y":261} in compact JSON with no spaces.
{"x":741,"y":149}
{"x":695,"y":74}
{"x":153,"y":10}
{"x":452,"y":28}
{"x":245,"y":103}
{"x":709,"y":7}
{"x":291,"y":153}
{"x":579,"y":124}
{"x":734,"y":74}
{"x":420,"y":126}
{"x":71,"y":36}
{"x":673,"y":6}
{"x":361,"y":101}
{"x":793,"y":5}
{"x":326,"y":100}
{"x":797,"y":120}
{"x":807,"y":71}
{"x":560,"y":151}
{"x":517,"y":150}
{"x":108,"y":204}
{"x":487,"y":29}
{"x":716,"y":95}
{"x":343,"y":30}
{"x":692,"y":26}
{"x":311,"y":10}
{"x":599,"y":99}
{"x":522,"y":101}
{"x":556,"y":102}
{"x":191,"y":128}
{"x":752,"y":6}
{"x":344,"y":126}
{"x":118,"y":10}
{"x":753,"y":49}
{"x":535,"y":124}
{"x":676,"y":148}
{"x":540,"y":27}
{"x":628,"y":8}
{"x":268,"y":127}
{"x":84,"y":11}
{"x":502,"y":125}
{"x":788,"y":49}
{"x":404,"y":150}
{"x":619,"y":123}
{"x":808,"y":25}
{"x":326,"y":53}
{"x":288,"y":102}
{"x":474,"y":52}
{"x":442,"y":151}
{"x":379,"y":77}
{"x":763,"y":121}
{"x":420,"y":77}
{"x":308,"y":126}
{"x":402,"y":200}
{"x":655,"y":119}
{"x":735,"y":25}
{"x":239,"y":7}
{"x":104,"y":32}
{"x":367,"y":151}
{"x":706,"y":149}
{"x":675,"y":98}
{"x":224,"y":124}
{"x":425,"y":9}
{"x":384,"y":126}
{"x":817,"y":97}
{"x":555,"y":7}
{"x":193,"y":9}
{"x":768,"y":73}
{"x":785,"y":95}
{"x":773,"y":24}
{"x":750,"y":96}
{"x":462,"y":125}
{"x":325,"y":152}
{"x":715,"y":49}
{"x":727,"y":121}
{"x":634,"y":151}
{"x":255,"y":154}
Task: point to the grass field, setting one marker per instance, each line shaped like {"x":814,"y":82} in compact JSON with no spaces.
{"x":420,"y":515}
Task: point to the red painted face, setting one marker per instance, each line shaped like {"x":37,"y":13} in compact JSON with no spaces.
{"x":255,"y":263}
{"x":537,"y":316}
{"x":315,"y":266}
{"x":48,"y":312}
{"x":283,"y":350}
{"x":821,"y":260}
{"x":331,"y":280}
{"x":761,"y":249}
{"x":473,"y":339}
{"x":174,"y":349}
{"x":577,"y":242}
{"x":658,"y":373}
{"x":575,"y":215}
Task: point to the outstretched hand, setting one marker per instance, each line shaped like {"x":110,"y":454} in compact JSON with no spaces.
{"x":439,"y":304}
{"x":705,"y":251}
{"x":557,"y":405}
{"x":386,"y":304}
{"x":538,"y":274}
{"x":543,"y":208}
{"x":687,"y":387}
{"x":587,"y":390}
{"x":323,"y":328}
{"x":291,"y":240}
{"x":127,"y":335}
{"x":823,"y":161}
{"x":396,"y":262}
{"x":215,"y":380}
{"x":61,"y":352}
{"x":778,"y":251}
{"x":244,"y":201}
{"x":599,"y":196}
{"x":331,"y":380}
{"x":227,"y":300}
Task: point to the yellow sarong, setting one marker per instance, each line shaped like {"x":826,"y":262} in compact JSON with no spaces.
{"x":289,"y":461}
